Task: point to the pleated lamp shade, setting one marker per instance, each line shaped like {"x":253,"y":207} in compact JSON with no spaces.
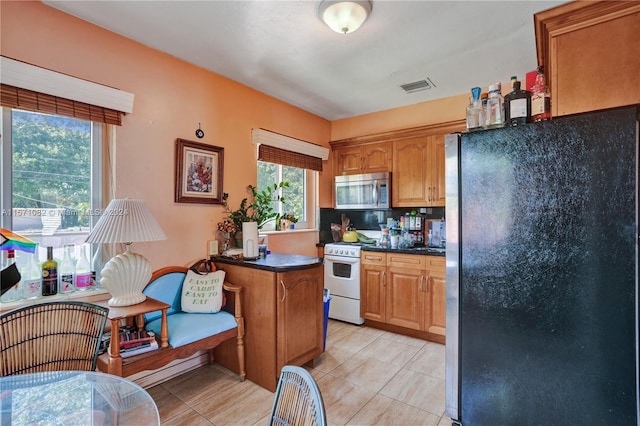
{"x":126,"y":221}
{"x":125,"y":276}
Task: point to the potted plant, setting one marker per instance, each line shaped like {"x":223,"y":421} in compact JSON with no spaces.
{"x":286,"y":221}
{"x":260,"y":206}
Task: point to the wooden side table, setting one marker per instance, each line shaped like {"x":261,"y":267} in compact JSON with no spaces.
{"x":114,"y":361}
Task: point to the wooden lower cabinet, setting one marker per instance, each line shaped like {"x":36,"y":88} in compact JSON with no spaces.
{"x":299,"y":317}
{"x":283,"y":314}
{"x":436,"y":291}
{"x":406,"y":291}
{"x":372,"y":286}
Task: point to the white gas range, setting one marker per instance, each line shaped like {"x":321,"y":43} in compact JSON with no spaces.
{"x":342,"y":278}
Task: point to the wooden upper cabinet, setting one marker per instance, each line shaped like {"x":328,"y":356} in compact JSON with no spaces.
{"x":418,"y":178}
{"x":377,"y":157}
{"x":436,"y":179}
{"x":415,"y":157}
{"x":409,"y":180}
{"x":591,"y":54}
{"x":370,"y":158}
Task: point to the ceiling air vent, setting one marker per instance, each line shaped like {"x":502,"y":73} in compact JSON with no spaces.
{"x":417,"y":86}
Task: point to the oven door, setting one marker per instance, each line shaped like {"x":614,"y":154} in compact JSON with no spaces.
{"x":342,"y":276}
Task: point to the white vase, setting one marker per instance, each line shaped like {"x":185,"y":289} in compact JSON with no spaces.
{"x":250,"y":239}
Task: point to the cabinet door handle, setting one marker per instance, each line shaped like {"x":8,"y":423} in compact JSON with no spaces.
{"x":426,"y":284}
{"x":420,"y":285}
{"x":384,"y":278}
{"x":284,"y":291}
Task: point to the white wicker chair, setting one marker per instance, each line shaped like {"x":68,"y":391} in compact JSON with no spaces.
{"x":298,"y":400}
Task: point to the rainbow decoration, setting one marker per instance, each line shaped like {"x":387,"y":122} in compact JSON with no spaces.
{"x":11,"y":241}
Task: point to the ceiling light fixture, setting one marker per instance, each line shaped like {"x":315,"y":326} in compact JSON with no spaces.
{"x":344,"y":16}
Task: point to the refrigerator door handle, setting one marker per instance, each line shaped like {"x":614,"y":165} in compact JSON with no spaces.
{"x":452,"y":343}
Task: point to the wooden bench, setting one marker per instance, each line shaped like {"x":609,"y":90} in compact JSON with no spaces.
{"x":191,"y":332}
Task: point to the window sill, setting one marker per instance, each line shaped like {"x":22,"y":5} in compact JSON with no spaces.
{"x":90,"y":296}
{"x":288,"y":231}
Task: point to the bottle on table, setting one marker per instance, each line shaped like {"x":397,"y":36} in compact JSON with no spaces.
{"x":96,"y":266}
{"x":540,"y":98}
{"x":15,"y":292}
{"x":84,"y":280}
{"x":49,"y":275}
{"x":31,"y":280}
{"x":517,"y":106}
{"x":67,"y":270}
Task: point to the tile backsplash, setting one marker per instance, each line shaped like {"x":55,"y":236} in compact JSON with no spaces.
{"x":368,"y":219}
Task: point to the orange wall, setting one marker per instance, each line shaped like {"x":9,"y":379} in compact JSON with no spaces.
{"x":422,"y":114}
{"x":171,"y":98}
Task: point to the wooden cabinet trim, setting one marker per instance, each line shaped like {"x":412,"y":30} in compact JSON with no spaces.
{"x":413,"y":132}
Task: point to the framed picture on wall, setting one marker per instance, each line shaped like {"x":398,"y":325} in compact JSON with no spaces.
{"x":199,"y":171}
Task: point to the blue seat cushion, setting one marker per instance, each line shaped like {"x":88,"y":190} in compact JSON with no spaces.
{"x":167,"y":289}
{"x":185,"y":328}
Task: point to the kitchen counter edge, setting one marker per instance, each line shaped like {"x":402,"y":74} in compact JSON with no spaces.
{"x":274,"y":262}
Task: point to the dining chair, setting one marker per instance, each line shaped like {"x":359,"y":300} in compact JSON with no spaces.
{"x":51,"y":336}
{"x":298,"y":400}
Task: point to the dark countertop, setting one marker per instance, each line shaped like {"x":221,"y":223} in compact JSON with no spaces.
{"x":275,"y":262}
{"x":427,"y":251}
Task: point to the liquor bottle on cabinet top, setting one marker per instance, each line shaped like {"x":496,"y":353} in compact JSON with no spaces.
{"x":83,"y":280}
{"x":484,"y":98}
{"x":31,"y":280}
{"x":475,"y":117}
{"x":67,"y":270}
{"x":495,"y":107}
{"x":49,"y":275}
{"x":517,"y":106}
{"x":540,"y":98}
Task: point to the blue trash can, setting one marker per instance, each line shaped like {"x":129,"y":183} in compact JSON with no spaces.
{"x":327,"y":300}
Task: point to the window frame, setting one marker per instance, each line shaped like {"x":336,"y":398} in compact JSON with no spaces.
{"x":310,"y":199}
{"x":98,"y":131}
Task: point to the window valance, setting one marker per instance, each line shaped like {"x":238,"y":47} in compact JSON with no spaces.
{"x":288,"y":151}
{"x":32,"y":88}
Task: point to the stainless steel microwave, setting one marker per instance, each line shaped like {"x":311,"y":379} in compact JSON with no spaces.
{"x":365,"y":191}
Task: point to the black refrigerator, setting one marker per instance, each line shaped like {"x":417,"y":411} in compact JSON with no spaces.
{"x":542,"y":278}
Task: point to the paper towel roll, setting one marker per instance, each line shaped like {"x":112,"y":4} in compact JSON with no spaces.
{"x":250,"y":239}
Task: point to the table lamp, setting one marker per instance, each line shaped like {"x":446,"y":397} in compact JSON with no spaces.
{"x":125,"y":275}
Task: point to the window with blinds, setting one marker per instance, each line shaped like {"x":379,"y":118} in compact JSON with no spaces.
{"x":28,"y":100}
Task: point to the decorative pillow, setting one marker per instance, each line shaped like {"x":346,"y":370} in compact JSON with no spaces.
{"x":202,"y":293}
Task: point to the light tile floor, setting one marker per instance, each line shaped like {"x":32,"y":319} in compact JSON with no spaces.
{"x":366,"y":377}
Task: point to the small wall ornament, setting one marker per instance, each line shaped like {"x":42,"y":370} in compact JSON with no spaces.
{"x":199,"y":132}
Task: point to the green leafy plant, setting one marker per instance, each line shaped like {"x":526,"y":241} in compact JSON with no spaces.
{"x":260,"y":207}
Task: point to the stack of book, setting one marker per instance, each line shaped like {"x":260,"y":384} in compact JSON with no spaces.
{"x":134,"y":342}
